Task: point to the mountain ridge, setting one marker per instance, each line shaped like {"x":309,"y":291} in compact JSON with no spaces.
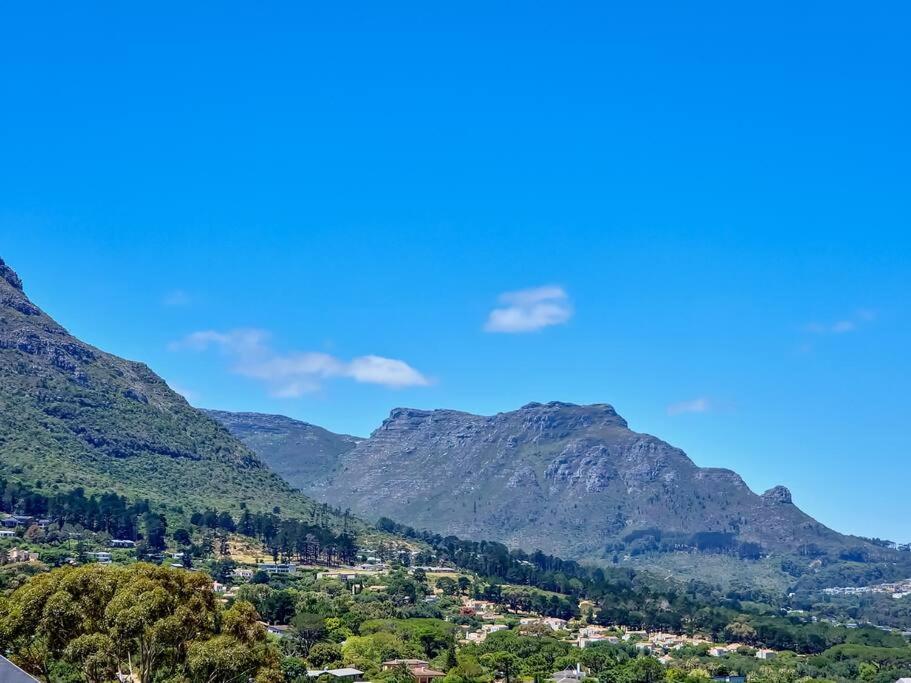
{"x":571,"y":480}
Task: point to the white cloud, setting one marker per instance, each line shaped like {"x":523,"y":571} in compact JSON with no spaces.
{"x":386,"y":371}
{"x":176,"y":297}
{"x":849,"y":324}
{"x":696,"y":405}
{"x":188,"y":394}
{"x":527,"y":310}
{"x":295,"y":374}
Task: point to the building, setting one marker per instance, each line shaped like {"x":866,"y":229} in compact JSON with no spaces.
{"x":729,"y":679}
{"x":122,"y":543}
{"x":101,"y":556}
{"x":10,"y":673}
{"x":568,"y":675}
{"x":277,"y":568}
{"x":6,"y":533}
{"x":346,"y":674}
{"x":16,"y":555}
{"x":765,"y":654}
{"x":245,"y":574}
{"x":418,"y":668}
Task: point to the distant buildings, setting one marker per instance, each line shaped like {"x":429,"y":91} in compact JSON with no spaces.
{"x":17,"y":555}
{"x":418,"y":668}
{"x":568,"y":675}
{"x":277,"y":568}
{"x":101,"y":557}
{"x":346,"y":674}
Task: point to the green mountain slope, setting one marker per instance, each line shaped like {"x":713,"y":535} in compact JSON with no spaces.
{"x":300,"y":452}
{"x":72,"y":415}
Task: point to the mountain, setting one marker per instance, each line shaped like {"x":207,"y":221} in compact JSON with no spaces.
{"x":72,"y":415}
{"x":567,"y":479}
{"x":299,"y":451}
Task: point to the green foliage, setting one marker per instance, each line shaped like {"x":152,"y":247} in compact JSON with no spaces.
{"x":100,"y":618}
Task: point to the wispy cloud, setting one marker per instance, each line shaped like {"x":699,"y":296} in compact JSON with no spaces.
{"x":695,"y":405}
{"x":188,"y":394}
{"x":176,"y":297}
{"x":528,"y":310}
{"x":843,"y":326}
{"x":291,"y":375}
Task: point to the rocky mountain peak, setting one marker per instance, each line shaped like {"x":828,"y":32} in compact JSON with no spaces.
{"x":10,"y":276}
{"x":572,"y":415}
{"x":778,"y":495}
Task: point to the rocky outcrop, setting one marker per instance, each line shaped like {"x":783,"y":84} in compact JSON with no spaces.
{"x":569,"y":479}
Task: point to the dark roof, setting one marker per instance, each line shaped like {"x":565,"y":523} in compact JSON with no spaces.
{"x":10,"y":673}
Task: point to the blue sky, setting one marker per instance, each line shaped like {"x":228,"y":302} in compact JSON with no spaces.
{"x":699,"y":214}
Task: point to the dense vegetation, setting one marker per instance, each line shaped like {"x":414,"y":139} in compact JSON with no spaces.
{"x":91,"y":622}
{"x":73,"y":416}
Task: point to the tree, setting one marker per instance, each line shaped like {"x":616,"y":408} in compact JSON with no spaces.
{"x":504,"y":664}
{"x":322,"y":655}
{"x":155,"y":526}
{"x":95,"y":654}
{"x":468,"y":670}
{"x":139,"y":617}
{"x":306,"y":631}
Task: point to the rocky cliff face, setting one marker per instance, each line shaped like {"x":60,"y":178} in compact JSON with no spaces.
{"x":73,"y":415}
{"x":568,"y":479}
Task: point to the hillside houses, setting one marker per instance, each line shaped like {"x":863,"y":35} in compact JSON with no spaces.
{"x":418,"y":668}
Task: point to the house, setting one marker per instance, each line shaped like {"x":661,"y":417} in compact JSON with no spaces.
{"x":16,"y":555}
{"x":596,"y":638}
{"x":554,"y":623}
{"x":729,"y":679}
{"x":346,"y":674}
{"x":245,"y":574}
{"x":766,"y":654}
{"x":122,"y":543}
{"x":280,"y":630}
{"x":418,"y":668}
{"x":6,"y":533}
{"x":719,"y":652}
{"x":101,"y":556}
{"x":568,"y":675}
{"x":277,"y":568}
{"x":10,"y":673}
{"x":10,"y":522}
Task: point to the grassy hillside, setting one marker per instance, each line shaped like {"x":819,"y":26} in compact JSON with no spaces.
{"x":72,"y":415}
